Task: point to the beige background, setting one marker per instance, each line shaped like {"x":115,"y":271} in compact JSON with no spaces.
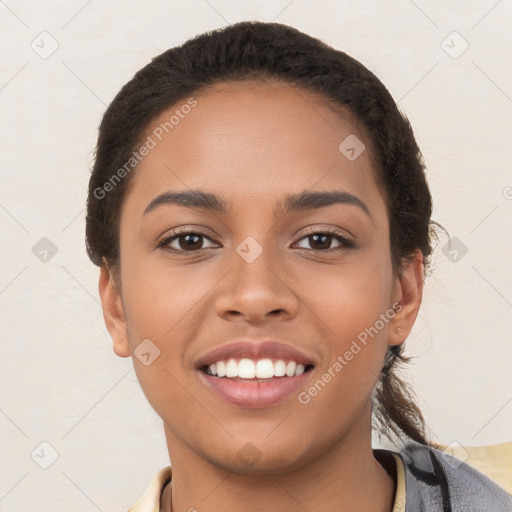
{"x":61,"y":383}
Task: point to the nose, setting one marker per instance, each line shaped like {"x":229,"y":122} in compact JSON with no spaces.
{"x":255,"y":290}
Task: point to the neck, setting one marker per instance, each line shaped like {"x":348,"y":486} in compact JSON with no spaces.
{"x":345,"y":478}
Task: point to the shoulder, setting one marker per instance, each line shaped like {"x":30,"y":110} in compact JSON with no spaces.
{"x":437,"y":481}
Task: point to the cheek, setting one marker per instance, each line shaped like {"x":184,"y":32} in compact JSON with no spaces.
{"x":351,"y":297}
{"x":160,"y":319}
{"x":354,"y":312}
{"x":161,"y":301}
{"x":163,"y":309}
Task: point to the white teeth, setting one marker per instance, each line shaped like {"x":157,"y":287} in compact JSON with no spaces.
{"x":246,"y":369}
{"x":232,"y":368}
{"x":261,"y":369}
{"x":221,"y":369}
{"x":290,"y":368}
{"x":280,"y":368}
{"x":265,"y":369}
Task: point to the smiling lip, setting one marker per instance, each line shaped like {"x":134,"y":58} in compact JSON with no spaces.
{"x":254,"y":350}
{"x":254,"y":393}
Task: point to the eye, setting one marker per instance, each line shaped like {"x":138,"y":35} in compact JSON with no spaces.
{"x":323,"y":239}
{"x":191,"y":241}
{"x":184,"y":241}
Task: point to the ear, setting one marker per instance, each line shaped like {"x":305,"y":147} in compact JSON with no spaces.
{"x":113,"y":313}
{"x":407,"y":294}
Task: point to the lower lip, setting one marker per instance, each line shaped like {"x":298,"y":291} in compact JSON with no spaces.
{"x":254,"y":394}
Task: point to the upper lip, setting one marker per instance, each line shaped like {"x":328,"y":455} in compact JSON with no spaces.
{"x":254,"y":350}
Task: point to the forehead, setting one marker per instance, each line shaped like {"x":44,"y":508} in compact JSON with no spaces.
{"x":257,"y":109}
{"x":256,"y":138}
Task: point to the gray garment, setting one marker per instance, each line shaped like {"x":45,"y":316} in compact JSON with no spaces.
{"x":438,"y":482}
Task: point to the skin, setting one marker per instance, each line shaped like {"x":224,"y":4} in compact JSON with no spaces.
{"x":252,"y":143}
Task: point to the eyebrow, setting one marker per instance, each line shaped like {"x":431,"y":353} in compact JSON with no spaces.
{"x":306,"y":200}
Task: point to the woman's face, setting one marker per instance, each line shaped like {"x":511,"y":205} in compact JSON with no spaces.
{"x":262,"y":269}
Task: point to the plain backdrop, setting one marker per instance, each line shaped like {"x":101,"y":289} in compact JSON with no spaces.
{"x":447,"y":64}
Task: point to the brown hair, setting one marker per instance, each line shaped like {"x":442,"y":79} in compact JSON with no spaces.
{"x":273,"y":51}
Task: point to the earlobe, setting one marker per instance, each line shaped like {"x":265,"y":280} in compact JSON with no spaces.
{"x":407,"y":294}
{"x":113,"y":313}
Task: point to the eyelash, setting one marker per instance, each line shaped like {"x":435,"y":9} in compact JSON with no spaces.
{"x":346,"y":242}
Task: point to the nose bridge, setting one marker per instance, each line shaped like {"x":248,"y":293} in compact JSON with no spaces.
{"x":254,"y":264}
{"x":254,"y":285}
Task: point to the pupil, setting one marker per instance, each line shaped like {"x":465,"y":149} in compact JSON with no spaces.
{"x":188,"y":245}
{"x":324,"y":244}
